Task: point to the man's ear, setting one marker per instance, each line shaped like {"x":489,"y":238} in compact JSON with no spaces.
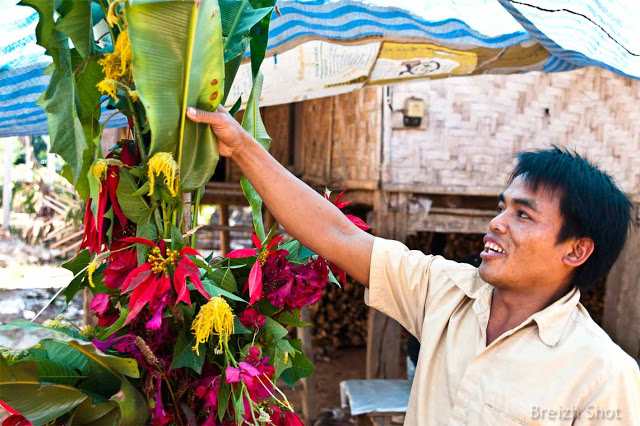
{"x":580,"y":250}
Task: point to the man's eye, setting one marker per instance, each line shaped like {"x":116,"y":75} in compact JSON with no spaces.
{"x":499,"y":209}
{"x":523,"y":215}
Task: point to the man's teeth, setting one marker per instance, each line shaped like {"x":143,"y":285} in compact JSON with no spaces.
{"x":493,"y":247}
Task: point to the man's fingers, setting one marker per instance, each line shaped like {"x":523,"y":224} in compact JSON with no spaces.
{"x":200,"y":116}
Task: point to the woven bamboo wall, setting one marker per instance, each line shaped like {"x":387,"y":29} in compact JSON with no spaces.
{"x":473,"y":126}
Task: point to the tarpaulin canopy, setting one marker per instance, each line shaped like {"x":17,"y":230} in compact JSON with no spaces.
{"x":327,"y":47}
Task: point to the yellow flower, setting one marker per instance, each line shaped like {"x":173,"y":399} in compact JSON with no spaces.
{"x":108,"y":87}
{"x":134,"y":95}
{"x":117,"y":66}
{"x":163,"y":163}
{"x":115,"y":15}
{"x":216,"y":316}
{"x":99,"y":171}
{"x":92,"y":268}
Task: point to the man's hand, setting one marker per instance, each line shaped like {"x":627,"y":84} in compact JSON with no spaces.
{"x":229,"y":132}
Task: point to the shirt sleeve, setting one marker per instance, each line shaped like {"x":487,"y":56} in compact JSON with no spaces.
{"x":401,"y":280}
{"x":617,"y":400}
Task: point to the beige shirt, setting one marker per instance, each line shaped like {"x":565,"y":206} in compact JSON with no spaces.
{"x":558,"y":367}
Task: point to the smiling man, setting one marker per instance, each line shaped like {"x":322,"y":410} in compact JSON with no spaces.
{"x":507,"y":343}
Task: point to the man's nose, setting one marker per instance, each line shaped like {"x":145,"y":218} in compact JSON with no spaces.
{"x":498,"y":223}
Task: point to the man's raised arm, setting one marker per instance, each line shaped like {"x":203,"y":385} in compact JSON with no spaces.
{"x":305,"y":214}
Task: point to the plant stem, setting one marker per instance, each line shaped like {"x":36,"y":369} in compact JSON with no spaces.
{"x":196,"y":211}
{"x":165,"y":220}
{"x":173,"y":398}
{"x":136,"y":126}
{"x":158,"y":221}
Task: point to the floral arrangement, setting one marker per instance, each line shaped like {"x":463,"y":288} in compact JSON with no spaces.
{"x":181,"y":339}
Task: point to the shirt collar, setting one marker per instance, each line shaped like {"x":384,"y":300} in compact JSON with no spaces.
{"x":553,"y":319}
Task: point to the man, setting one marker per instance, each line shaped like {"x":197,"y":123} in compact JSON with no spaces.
{"x":507,"y":343}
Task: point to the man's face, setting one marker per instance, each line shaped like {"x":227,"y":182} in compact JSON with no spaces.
{"x":521,"y":248}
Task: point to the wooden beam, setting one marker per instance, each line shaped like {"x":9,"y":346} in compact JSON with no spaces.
{"x":7,"y":189}
{"x":383,"y":333}
{"x":223,"y":220}
{"x":622,"y":298}
{"x":309,"y":385}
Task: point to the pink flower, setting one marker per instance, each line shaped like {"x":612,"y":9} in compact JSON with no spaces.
{"x":251,"y":318}
{"x":245,"y":372}
{"x":254,"y":282}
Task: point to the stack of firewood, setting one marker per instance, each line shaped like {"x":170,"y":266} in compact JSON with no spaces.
{"x":340,"y":318}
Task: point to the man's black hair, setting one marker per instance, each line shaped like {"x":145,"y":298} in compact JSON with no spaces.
{"x":591,"y":205}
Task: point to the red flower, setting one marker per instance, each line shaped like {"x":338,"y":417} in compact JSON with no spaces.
{"x":151,"y":280}
{"x":94,"y":229}
{"x":106,"y":314}
{"x":15,"y":418}
{"x":251,"y":318}
{"x":292,"y":287}
{"x":254,"y":282}
{"x":284,"y":417}
{"x":208,"y":391}
{"x":122,"y":263}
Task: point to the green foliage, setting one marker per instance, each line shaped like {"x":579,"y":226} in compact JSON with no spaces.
{"x":78,"y":266}
{"x":185,"y":356}
{"x":70,"y":100}
{"x":252,"y":123}
{"x":301,"y":367}
{"x":178,"y":62}
{"x":67,"y":377}
{"x":133,"y":206}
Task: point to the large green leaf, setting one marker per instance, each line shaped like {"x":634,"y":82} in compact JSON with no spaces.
{"x":301,"y":366}
{"x":252,"y":123}
{"x":39,"y":403}
{"x":260,"y":35}
{"x":178,"y":62}
{"x":75,"y":23}
{"x":185,"y":356}
{"x":238,"y":18}
{"x":101,"y":368}
{"x":58,"y":101}
{"x":134,"y":206}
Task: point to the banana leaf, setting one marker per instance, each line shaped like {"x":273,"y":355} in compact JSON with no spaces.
{"x":38,"y":385}
{"x":178,"y":62}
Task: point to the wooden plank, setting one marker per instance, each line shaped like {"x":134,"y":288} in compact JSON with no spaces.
{"x":67,"y":238}
{"x":309,"y":385}
{"x":317,"y":130}
{"x":356,"y":137}
{"x":622,"y":299}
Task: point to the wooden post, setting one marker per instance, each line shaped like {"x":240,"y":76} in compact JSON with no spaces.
{"x":7,"y":189}
{"x":223,"y":219}
{"x":383,"y":333}
{"x":309,"y":385}
{"x":622,"y":299}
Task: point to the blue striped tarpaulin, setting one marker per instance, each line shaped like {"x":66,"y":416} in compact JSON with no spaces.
{"x":484,"y":36}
